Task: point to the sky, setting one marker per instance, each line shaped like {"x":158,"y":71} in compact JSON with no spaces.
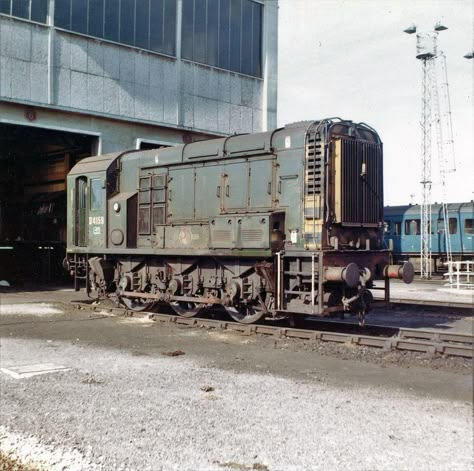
{"x":351,"y":58}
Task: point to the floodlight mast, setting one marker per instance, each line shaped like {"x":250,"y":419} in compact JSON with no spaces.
{"x":430,"y":111}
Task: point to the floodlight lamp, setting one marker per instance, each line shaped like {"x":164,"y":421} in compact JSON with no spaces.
{"x":469,"y":55}
{"x":440,"y":27}
{"x":410,"y":30}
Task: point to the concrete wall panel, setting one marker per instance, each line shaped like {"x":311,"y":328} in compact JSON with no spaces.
{"x":257,"y":121}
{"x":127,"y":90}
{"x":142,"y":69}
{"x":111,"y":96}
{"x":62,"y":50}
{"x":205,"y":114}
{"x":127,"y":65}
{"x":5,"y":35}
{"x":156,"y":104}
{"x":21,"y":79}
{"x":95,"y":93}
{"x":187,"y":74}
{"x":188,"y":111}
{"x":170,"y":107}
{"x":235,"y":89}
{"x":78,"y":90}
{"x":39,"y":82}
{"x":62,"y":86}
{"x":6,"y":77}
{"x":39,"y":45}
{"x":201,"y":81}
{"x":78,"y":57}
{"x":235,"y":123}
{"x":223,"y":116}
{"x":20,"y":38}
{"x":223,"y":87}
{"x":142,"y":101}
{"x":157,"y":73}
{"x":95,"y":58}
{"x":169,"y":73}
{"x":111,"y":61}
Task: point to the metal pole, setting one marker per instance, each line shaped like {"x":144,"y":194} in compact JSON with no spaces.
{"x":278,"y":290}
{"x":312,"y":283}
{"x":426,"y":168}
{"x":320,"y":283}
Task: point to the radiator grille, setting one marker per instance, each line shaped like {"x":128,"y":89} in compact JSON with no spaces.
{"x":314,"y":163}
{"x":361,"y":182}
{"x":252,"y":235}
{"x":221,"y":236}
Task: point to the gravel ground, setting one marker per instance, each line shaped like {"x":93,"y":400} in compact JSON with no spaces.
{"x":135,"y":408}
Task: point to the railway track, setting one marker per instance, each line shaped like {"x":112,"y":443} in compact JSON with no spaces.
{"x":383,"y":337}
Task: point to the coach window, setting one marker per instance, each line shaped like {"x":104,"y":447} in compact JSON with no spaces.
{"x":97,"y":195}
{"x":412,"y":227}
{"x":469,"y":226}
{"x":453,"y":225}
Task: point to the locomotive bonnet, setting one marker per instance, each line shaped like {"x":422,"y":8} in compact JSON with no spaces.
{"x":265,"y":225}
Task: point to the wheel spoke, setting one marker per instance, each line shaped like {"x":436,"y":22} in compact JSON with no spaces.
{"x":246,"y":314}
{"x":137,"y":304}
{"x":187,"y":309}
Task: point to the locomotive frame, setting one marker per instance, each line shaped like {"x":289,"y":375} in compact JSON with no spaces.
{"x":265,"y":225}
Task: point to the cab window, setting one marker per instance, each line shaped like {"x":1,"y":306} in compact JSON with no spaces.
{"x":97,"y":195}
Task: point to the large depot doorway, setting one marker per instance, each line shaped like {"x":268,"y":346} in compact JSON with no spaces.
{"x":34,"y":162}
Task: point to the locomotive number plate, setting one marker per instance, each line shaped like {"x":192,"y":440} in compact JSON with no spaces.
{"x":96,"y":220}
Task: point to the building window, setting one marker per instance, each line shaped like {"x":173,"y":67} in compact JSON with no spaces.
{"x":34,"y":10}
{"x":148,"y":24}
{"x":224,"y":33}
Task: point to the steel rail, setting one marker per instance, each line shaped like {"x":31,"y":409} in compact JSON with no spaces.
{"x":430,"y":342}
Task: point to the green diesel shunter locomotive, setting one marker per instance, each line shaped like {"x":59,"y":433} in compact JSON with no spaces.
{"x":268,"y":225}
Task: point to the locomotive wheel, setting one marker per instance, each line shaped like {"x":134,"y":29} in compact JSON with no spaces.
{"x":137,"y":304}
{"x":187,"y":309}
{"x":246,"y":314}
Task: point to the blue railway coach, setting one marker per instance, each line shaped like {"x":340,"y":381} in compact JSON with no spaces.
{"x":403,"y":227}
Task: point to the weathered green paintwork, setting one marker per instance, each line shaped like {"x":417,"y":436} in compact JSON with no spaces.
{"x":218,"y":192}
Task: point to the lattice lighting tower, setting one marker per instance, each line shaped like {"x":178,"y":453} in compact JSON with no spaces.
{"x":426,"y":52}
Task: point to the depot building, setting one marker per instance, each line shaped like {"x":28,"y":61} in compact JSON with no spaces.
{"x":87,"y":77}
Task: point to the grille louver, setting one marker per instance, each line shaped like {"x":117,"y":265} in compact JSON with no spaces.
{"x":361,"y":184}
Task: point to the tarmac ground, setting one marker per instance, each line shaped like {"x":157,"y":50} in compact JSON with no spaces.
{"x":133,"y":394}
